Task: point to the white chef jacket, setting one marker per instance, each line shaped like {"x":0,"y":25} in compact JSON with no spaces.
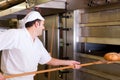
{"x":20,"y":53}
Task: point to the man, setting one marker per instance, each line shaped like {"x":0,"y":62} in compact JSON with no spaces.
{"x":23,"y":51}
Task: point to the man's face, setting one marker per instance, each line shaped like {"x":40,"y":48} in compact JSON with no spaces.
{"x":40,"y":28}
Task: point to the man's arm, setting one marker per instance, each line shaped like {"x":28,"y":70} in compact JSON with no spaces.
{"x":58,"y":62}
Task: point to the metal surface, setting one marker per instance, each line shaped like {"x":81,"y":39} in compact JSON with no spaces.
{"x":102,"y":32}
{"x":77,"y":4}
{"x":76,"y":39}
{"x":57,"y":4}
{"x":101,"y":27}
{"x":107,"y":17}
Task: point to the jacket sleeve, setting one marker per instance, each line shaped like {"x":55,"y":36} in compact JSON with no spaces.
{"x":7,"y":39}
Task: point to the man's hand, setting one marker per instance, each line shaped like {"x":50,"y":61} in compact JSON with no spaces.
{"x":76,"y":64}
{"x":1,"y":77}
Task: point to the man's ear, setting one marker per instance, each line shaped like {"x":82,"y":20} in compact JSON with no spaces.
{"x":37,"y":24}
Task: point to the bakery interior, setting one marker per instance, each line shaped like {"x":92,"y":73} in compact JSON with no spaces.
{"x":83,"y":30}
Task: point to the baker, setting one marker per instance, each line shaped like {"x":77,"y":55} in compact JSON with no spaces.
{"x":23,"y":50}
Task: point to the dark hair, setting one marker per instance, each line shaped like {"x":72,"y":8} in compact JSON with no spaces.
{"x":29,"y":24}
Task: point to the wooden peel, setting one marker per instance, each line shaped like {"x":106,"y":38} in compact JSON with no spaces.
{"x":56,"y":69}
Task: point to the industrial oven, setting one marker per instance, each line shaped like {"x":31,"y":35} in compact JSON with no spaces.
{"x":99,"y":34}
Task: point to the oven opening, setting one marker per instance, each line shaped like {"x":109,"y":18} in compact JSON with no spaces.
{"x":97,"y":49}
